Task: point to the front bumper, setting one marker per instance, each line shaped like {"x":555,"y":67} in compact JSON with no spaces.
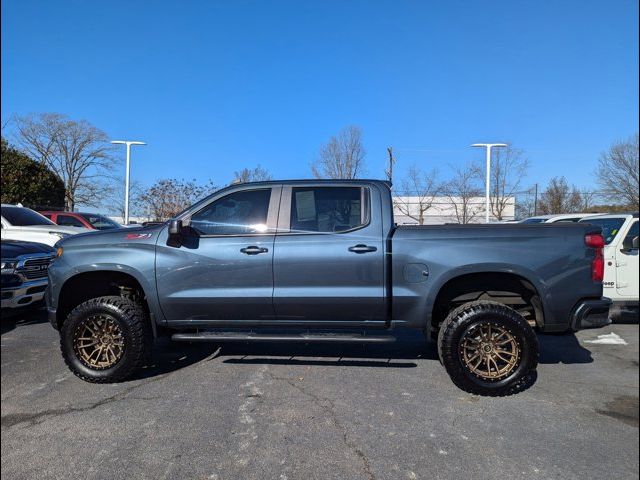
{"x":24,"y":294}
{"x":591,"y":314}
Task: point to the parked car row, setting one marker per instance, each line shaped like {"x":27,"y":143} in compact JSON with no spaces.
{"x":28,"y":238}
{"x":92,"y":221}
{"x":24,"y":224}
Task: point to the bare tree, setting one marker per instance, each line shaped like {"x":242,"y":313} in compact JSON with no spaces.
{"x":526,"y":203}
{"x":462,"y":192}
{"x":420,"y":189}
{"x":168,"y":197}
{"x":619,"y":172}
{"x":76,"y":151}
{"x":251,"y":175}
{"x":116,"y":199}
{"x":559,"y":197}
{"x":508,"y":167}
{"x":342,"y":157}
{"x":587,"y":200}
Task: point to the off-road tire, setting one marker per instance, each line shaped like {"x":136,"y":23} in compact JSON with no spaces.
{"x":470,"y":315}
{"x":137,"y":336}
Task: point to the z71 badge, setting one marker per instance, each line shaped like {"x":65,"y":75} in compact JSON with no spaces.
{"x":137,"y":236}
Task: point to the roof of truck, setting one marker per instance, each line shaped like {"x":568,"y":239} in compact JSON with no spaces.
{"x":316,"y":181}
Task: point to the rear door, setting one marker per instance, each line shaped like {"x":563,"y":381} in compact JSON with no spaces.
{"x":329,"y":255}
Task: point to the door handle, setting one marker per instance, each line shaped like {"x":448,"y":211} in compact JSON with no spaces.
{"x":360,"y":248}
{"x":253,"y":250}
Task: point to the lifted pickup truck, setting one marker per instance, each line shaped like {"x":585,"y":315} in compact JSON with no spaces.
{"x":322,"y":261}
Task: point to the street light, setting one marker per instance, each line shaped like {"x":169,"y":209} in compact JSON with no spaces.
{"x":488,"y":146}
{"x":128,"y":143}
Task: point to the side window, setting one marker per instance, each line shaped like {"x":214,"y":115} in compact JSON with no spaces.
{"x":327,"y":209}
{"x":69,"y":221}
{"x":632,"y":233}
{"x":568,"y":220}
{"x":239,"y":213}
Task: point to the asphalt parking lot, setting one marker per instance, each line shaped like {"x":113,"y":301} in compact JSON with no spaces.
{"x":320,"y":412}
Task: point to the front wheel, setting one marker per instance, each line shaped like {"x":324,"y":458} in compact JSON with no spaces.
{"x":105,"y":339}
{"x":488,"y":348}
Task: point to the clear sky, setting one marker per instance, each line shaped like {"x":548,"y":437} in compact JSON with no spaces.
{"x":214,"y":86}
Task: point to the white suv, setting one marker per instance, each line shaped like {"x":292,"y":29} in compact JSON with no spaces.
{"x":620,"y":232}
{"x":560,"y":217}
{"x":20,"y":223}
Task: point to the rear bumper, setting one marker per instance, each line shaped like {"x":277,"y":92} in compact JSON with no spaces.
{"x":23,"y":295}
{"x":591,"y":314}
{"x":625,"y":311}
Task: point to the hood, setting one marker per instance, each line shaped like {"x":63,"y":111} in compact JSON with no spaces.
{"x":52,"y":228}
{"x":14,"y":248}
{"x":114,"y":236}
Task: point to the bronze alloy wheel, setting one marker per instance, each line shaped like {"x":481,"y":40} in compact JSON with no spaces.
{"x":489,"y":351}
{"x":98,"y":342}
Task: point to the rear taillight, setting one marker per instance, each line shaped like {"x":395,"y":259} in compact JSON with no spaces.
{"x":596,"y":241}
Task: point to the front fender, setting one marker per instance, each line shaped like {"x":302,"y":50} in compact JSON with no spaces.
{"x":136,"y":261}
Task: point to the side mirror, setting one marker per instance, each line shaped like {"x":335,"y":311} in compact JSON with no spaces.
{"x":175,"y":227}
{"x":630,"y":243}
{"x":175,"y":233}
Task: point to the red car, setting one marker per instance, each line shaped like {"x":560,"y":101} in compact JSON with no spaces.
{"x":94,"y":221}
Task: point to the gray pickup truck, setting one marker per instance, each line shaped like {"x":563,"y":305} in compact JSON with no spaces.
{"x":322,"y":261}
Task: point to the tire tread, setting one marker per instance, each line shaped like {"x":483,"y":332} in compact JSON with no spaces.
{"x":448,"y":354}
{"x":140,"y":339}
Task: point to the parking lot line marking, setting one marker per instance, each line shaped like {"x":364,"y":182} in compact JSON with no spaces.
{"x":608,"y":339}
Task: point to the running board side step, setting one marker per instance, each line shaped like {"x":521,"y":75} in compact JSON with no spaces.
{"x":270,"y":337}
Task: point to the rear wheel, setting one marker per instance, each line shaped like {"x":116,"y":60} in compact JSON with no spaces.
{"x":488,"y":348}
{"x":105,"y":339}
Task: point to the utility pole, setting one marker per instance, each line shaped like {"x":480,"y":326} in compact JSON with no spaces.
{"x":392,"y":160}
{"x":535,"y":202}
{"x":488,"y":147}
{"x":128,"y":143}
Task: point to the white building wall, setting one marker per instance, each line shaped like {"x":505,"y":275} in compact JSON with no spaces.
{"x":443,"y":210}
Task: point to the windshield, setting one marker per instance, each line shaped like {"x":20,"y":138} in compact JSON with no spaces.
{"x":100,"y":222}
{"x":24,"y":217}
{"x":533,"y":220}
{"x":610,"y":227}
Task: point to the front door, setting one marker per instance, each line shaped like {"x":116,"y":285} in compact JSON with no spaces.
{"x":223,"y":270}
{"x":329,"y":255}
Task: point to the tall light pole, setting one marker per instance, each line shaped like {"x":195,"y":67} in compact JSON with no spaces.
{"x":488,"y":146}
{"x":128,"y":143}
